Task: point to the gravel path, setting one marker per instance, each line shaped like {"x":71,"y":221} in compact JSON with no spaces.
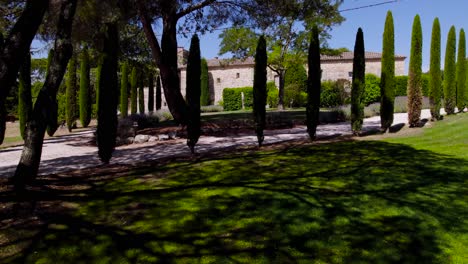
{"x":71,"y":152}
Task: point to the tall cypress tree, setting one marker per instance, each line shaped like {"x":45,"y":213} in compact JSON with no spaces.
{"x":133,"y":91}
{"x":358,"y":83}
{"x":2,"y":105}
{"x":193,"y":93}
{"x":141,"y":93}
{"x":158,"y":93}
{"x":124,"y":90}
{"x":205,"y":86}
{"x":98,"y":80}
{"x":24,"y":93}
{"x":415,"y":75}
{"x":107,"y":114}
{"x":435,"y":75}
{"x":450,"y":92}
{"x":387,"y":79}
{"x":461,"y":72}
{"x":259,"y":89}
{"x":85,"y":100}
{"x":150,"y":91}
{"x":313,"y":84}
{"x":70,"y":110}
{"x":52,"y":124}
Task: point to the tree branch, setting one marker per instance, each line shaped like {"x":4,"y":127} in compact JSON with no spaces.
{"x":152,"y":40}
{"x":190,"y":9}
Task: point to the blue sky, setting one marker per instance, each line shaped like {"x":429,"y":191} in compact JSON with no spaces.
{"x":372,"y":19}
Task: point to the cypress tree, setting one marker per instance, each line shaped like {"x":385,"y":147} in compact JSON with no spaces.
{"x":461,"y":72}
{"x":158,"y":93}
{"x":24,"y":94}
{"x":205,"y":86}
{"x":85,"y":100}
{"x":141,"y":94}
{"x":259,"y":88}
{"x":70,"y":110}
{"x":358,"y":83}
{"x":133,"y":91}
{"x":313,"y":85}
{"x":108,"y":85}
{"x":98,"y":80}
{"x":435,"y":77}
{"x":150,"y":92}
{"x":387,"y":79}
{"x":52,"y":125}
{"x":193,"y":93}
{"x":415,"y":75}
{"x":450,"y":93}
{"x":124,"y":90}
{"x":2,"y":106}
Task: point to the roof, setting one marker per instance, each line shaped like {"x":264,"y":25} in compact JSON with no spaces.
{"x":324,"y":58}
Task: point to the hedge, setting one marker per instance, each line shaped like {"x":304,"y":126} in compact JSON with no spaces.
{"x":232,"y":98}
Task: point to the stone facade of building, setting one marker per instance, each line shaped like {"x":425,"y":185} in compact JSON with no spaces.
{"x":239,"y":73}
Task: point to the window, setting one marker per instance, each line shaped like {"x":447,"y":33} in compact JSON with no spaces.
{"x":350,"y":74}
{"x":237,"y":75}
{"x":218,"y":80}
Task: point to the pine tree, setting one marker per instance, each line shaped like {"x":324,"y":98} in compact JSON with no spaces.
{"x":205,"y":86}
{"x":415,"y":75}
{"x":358,"y":83}
{"x":133,"y":91}
{"x":435,"y":75}
{"x":313,"y":85}
{"x":141,"y":94}
{"x":387,"y":79}
{"x":107,"y":114}
{"x":259,"y":89}
{"x":150,"y":91}
{"x":24,"y":94}
{"x":193,"y":93}
{"x":71,"y":94}
{"x":85,"y":97}
{"x":461,"y":72}
{"x":158,"y":93}
{"x":124,"y":91}
{"x":450,"y":93}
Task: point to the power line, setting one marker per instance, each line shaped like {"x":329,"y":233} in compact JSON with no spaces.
{"x":368,"y":6}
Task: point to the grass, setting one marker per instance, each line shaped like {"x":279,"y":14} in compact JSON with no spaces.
{"x":402,"y":200}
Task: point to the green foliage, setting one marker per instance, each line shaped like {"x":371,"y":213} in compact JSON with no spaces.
{"x":205,"y":84}
{"x":108,"y":86}
{"x":240,"y":41}
{"x":24,"y":94}
{"x":71,"y":94}
{"x":296,"y":74}
{"x":450,"y":89}
{"x":124,"y":90}
{"x":85,"y":93}
{"x":272,"y":95}
{"x":98,"y":81}
{"x":53,"y":124}
{"x":414,"y":75}
{"x":193,"y":93}
{"x":150,"y":91}
{"x":294,"y":96}
{"x":333,"y":93}
{"x":133,"y":91}
{"x":387,"y":79}
{"x":141,"y":94}
{"x":358,"y":84}
{"x":461,"y":72}
{"x":313,"y":84}
{"x":260,"y":89}
{"x":371,"y":90}
{"x":435,"y":75}
{"x":232,"y":98}
{"x":158,"y":93}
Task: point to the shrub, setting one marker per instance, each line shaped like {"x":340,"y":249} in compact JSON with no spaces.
{"x":296,"y":74}
{"x":211,"y":108}
{"x":372,"y":90}
{"x":232,"y":98}
{"x":401,"y":84}
{"x":294,"y":96}
{"x":272,"y":95}
{"x":333,"y":94}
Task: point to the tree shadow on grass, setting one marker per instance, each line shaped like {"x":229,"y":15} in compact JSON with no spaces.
{"x":348,"y":202}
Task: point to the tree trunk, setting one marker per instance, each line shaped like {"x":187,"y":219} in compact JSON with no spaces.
{"x":46,"y":103}
{"x":16,"y":46}
{"x":281,"y":74}
{"x":165,"y":58}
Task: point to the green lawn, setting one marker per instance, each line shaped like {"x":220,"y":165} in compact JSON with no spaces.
{"x":403,"y":200}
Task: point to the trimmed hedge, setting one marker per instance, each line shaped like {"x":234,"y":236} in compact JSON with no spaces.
{"x":333,"y":93}
{"x":232,"y":98}
{"x":401,"y":83}
{"x":272,"y":95}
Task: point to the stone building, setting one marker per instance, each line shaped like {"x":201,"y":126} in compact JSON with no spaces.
{"x":225,"y":73}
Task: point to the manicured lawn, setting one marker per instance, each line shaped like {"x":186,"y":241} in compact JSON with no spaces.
{"x":403,"y":200}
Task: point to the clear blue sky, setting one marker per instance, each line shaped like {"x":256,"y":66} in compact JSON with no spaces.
{"x":372,"y":19}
